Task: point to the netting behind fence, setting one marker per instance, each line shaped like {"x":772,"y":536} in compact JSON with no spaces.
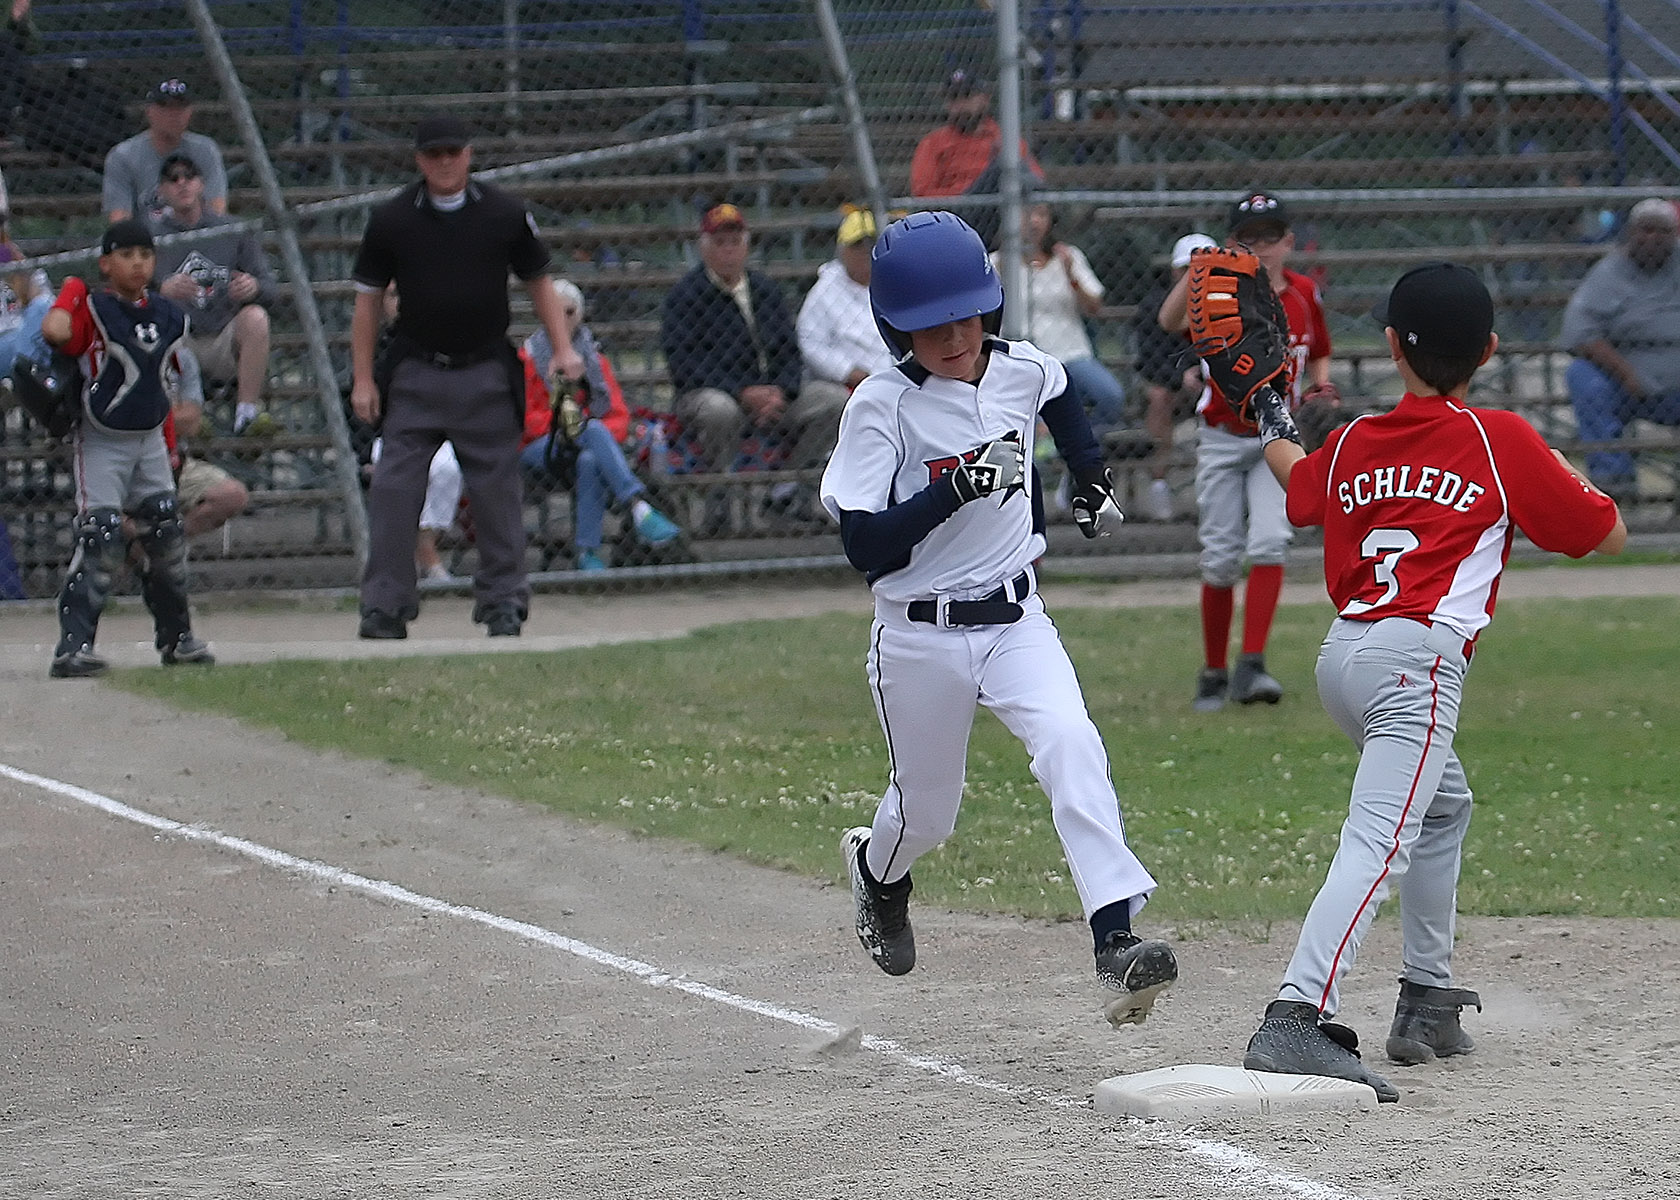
{"x":1510,"y":136}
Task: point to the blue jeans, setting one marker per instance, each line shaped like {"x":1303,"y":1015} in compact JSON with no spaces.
{"x":1104,"y":398}
{"x":1602,"y":407}
{"x":26,"y":341}
{"x":600,"y":469}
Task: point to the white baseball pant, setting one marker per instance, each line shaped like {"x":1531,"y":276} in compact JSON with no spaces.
{"x":927,"y":681}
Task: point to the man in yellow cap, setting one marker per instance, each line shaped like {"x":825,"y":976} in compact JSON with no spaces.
{"x":837,"y":335}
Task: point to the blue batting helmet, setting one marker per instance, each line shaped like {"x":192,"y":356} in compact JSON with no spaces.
{"x":927,"y":269}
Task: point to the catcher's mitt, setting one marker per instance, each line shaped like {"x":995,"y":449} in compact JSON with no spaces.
{"x":1319,"y":413}
{"x":1237,"y":325}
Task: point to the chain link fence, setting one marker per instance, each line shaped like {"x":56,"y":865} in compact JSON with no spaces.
{"x":665,"y":147}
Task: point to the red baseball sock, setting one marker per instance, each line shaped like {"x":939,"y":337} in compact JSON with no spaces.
{"x":1217,"y":606}
{"x":1260,"y":601}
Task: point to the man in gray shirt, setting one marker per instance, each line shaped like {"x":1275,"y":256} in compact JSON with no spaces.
{"x":1623,"y":327}
{"x":132,"y":166}
{"x":223,"y":282}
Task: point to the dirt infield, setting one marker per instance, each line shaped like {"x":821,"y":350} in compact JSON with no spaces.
{"x":187,"y":1015}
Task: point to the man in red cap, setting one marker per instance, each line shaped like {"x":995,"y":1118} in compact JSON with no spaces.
{"x":733,"y":355}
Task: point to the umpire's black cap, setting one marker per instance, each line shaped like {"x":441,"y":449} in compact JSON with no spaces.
{"x":441,"y":131}
{"x":1441,"y":309}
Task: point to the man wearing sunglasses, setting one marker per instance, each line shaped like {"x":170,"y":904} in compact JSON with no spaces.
{"x":132,"y":167}
{"x":224,"y":283}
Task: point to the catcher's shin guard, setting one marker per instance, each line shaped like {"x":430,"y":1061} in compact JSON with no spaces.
{"x":163,"y":574}
{"x":1426,"y":1023}
{"x":87,"y":582}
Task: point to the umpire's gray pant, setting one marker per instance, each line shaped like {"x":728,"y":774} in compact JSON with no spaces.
{"x":473,"y":409}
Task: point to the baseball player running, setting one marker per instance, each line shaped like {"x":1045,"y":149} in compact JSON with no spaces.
{"x":929,"y":484}
{"x":1239,"y":508}
{"x":1418,"y":506}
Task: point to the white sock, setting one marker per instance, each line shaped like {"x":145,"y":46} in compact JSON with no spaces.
{"x":244,"y":414}
{"x":639,"y":508}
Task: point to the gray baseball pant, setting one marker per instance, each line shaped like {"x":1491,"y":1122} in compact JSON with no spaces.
{"x":1239,"y":506}
{"x":473,"y":409}
{"x":1394,"y":687}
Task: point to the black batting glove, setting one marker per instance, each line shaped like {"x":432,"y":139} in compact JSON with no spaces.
{"x":990,"y":468}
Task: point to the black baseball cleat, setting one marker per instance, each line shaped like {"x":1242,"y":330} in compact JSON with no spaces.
{"x":1426,"y":1023}
{"x":1294,"y":1040}
{"x":1251,"y":685}
{"x":80,"y":663}
{"x":1211,"y":685}
{"x":188,"y":649}
{"x":504,"y":622}
{"x":379,"y":624}
{"x":1133,"y":973}
{"x":883,"y":911}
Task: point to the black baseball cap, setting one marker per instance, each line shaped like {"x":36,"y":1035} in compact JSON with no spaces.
{"x":178,"y":162}
{"x":170,"y":91}
{"x":1442,"y":309}
{"x":963,"y":82}
{"x":440,"y":131}
{"x":122,"y":235}
{"x":1257,"y":208}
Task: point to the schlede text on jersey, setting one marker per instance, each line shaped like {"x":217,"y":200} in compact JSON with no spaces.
{"x":1395,"y":483}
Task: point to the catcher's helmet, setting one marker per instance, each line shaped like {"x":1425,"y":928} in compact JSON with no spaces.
{"x":927,"y":269}
{"x":51,"y":391}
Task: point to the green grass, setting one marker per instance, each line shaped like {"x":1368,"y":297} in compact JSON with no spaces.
{"x":760,"y":740}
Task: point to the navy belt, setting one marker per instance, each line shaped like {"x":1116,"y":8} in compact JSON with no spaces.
{"x":1000,"y":607}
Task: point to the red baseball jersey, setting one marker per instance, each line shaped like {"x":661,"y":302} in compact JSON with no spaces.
{"x":1419,"y":506}
{"x":1309,"y":338}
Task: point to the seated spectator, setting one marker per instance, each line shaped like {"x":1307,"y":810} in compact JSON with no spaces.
{"x":133,"y":166}
{"x":1171,"y":375}
{"x":208,"y":496}
{"x":225,"y":285}
{"x":1623,"y":327}
{"x":25,"y":297}
{"x":1062,"y":291}
{"x":601,"y":467}
{"x":733,"y":357}
{"x":838,"y":338}
{"x":959,"y":158}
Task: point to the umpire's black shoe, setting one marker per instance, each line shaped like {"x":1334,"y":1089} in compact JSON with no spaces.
{"x":80,"y":663}
{"x":378,"y":624}
{"x":1133,"y":974}
{"x":883,"y":910}
{"x":1293,"y":1040}
{"x":1251,"y":685}
{"x":503,"y":622}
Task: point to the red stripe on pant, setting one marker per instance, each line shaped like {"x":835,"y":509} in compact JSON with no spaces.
{"x":1411,"y":798}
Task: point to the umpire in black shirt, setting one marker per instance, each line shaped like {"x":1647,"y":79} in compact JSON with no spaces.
{"x":448,"y":373}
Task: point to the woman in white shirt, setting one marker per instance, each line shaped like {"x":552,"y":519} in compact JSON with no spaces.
{"x":1062,"y":291}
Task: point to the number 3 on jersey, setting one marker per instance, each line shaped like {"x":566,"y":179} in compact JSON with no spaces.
{"x":1384,"y":547}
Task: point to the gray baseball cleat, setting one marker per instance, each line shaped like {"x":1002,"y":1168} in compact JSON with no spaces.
{"x":883,"y":911}
{"x":188,"y":649}
{"x":1426,"y":1023}
{"x":1211,"y":686}
{"x":1294,"y":1040}
{"x":1133,"y":974}
{"x":80,"y":663}
{"x":1251,"y":685}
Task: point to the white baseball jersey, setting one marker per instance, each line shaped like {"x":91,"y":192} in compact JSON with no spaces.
{"x":903,"y":428}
